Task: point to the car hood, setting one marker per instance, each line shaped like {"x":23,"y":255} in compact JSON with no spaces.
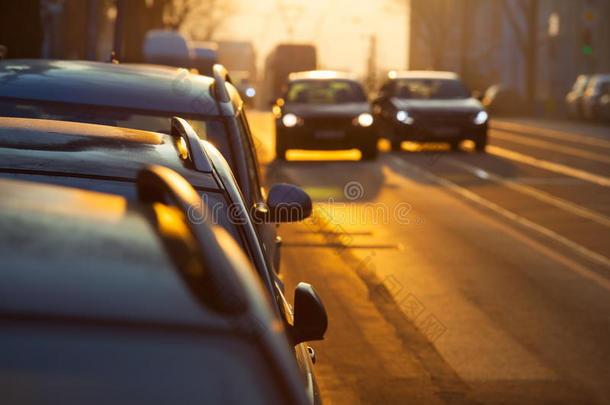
{"x":327,"y":110}
{"x":466,"y":105}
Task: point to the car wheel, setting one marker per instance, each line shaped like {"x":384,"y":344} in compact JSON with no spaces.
{"x":280,"y":146}
{"x":280,"y":149}
{"x":369,"y":152}
{"x":480,"y":144}
{"x":396,"y":144}
{"x":455,"y":145}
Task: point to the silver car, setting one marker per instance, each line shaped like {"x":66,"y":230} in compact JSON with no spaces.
{"x":595,"y":103}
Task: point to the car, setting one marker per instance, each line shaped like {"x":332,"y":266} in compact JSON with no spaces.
{"x":429,"y":106}
{"x":142,"y":97}
{"x":574,"y":97}
{"x":324,"y":110}
{"x":595,"y":100}
{"x":108,"y":159}
{"x":106,"y":300}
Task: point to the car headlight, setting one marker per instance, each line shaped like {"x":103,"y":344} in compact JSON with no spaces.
{"x":481,"y":118}
{"x":365,"y":119}
{"x":250,"y":92}
{"x":290,"y":120}
{"x":403,"y":116}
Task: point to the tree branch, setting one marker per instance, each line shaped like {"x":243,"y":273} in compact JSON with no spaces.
{"x":515,"y":25}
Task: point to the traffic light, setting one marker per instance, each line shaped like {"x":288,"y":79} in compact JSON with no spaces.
{"x":586,"y":40}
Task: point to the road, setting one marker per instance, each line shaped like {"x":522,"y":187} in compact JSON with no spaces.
{"x":457,"y":277}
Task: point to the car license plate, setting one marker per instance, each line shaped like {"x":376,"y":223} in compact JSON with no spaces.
{"x":329,"y":134}
{"x":446,"y":131}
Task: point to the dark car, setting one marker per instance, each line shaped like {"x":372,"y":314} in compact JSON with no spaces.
{"x":108,"y":159}
{"x":112,"y":301}
{"x":427,"y":106}
{"x":324,"y":110}
{"x":141,"y":97}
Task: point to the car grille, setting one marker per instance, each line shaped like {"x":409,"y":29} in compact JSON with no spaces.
{"x":442,"y":118}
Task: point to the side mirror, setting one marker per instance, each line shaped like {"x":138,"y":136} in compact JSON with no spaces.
{"x":477,"y":94}
{"x":288,"y":203}
{"x":310,"y":320}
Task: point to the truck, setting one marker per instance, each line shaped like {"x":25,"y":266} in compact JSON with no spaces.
{"x":283,"y":60}
{"x":239,"y":58}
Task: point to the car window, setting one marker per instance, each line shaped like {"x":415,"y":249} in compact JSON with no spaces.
{"x":94,"y":365}
{"x":210,"y":129}
{"x":430,"y":89}
{"x":251,"y":161}
{"x":220,"y":211}
{"x":325,"y":92}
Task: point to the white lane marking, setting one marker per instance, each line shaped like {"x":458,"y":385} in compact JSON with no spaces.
{"x":524,"y":140}
{"x":550,"y":133}
{"x":550,"y":166}
{"x":537,"y":194}
{"x":575,"y":267}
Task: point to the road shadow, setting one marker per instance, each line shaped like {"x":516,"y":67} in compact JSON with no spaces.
{"x":464,"y":166}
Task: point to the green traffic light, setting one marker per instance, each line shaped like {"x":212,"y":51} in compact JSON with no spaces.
{"x":587,"y":50}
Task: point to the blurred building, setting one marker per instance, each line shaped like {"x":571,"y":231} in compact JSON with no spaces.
{"x":478,"y":39}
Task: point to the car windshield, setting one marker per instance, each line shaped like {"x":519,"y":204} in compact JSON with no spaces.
{"x":209,"y":129}
{"x":325,"y":92}
{"x":435,"y":89}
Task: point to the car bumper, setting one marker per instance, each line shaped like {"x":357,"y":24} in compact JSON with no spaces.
{"x":326,"y":138}
{"x":427,"y":132}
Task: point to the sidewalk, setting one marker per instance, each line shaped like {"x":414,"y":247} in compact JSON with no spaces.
{"x":567,"y":127}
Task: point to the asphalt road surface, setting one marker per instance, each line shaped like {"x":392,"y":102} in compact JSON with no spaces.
{"x":457,"y":277}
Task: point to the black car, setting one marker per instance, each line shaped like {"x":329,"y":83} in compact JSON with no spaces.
{"x":112,"y":301}
{"x":324,"y":110}
{"x":426,"y":106}
{"x":108,"y":159}
{"x":141,"y":97}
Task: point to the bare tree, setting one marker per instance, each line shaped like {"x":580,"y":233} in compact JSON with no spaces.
{"x":526,"y":36}
{"x":204,"y":17}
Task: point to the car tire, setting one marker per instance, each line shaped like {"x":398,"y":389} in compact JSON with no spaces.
{"x":369,"y":152}
{"x":395,"y":144}
{"x":280,"y":149}
{"x":455,"y":145}
{"x":480,"y":144}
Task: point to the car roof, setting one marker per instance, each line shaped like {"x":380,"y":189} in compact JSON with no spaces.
{"x":143,"y":87}
{"x":75,"y":253}
{"x":90,"y":150}
{"x":423,"y":74}
{"x":321,"y":75}
{"x":602,"y":77}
